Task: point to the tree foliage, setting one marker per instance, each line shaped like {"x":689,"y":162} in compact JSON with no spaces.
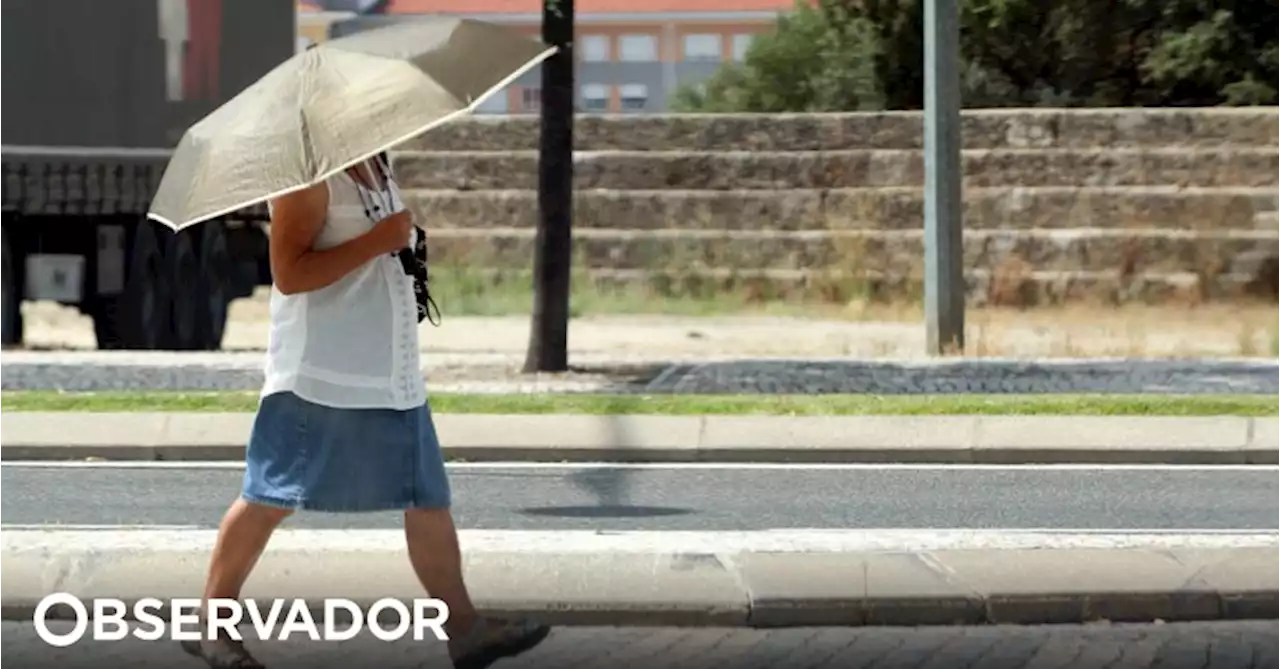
{"x":844,"y":55}
{"x":818,"y":58}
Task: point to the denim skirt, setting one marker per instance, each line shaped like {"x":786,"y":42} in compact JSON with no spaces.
{"x":304,"y":456}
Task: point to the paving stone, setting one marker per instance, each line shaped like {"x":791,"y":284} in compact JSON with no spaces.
{"x":1231,"y":645}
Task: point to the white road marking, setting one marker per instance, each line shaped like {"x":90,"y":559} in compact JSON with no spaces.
{"x":726,"y":466}
{"x":316,"y":542}
{"x":121,"y":464}
{"x":64,"y":527}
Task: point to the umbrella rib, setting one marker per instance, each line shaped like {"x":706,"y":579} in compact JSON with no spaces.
{"x":308,"y":148}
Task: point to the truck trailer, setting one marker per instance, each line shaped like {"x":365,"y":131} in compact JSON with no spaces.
{"x":96,"y":96}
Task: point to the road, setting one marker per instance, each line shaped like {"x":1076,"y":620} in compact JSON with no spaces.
{"x":1246,"y":645}
{"x":700,"y":498}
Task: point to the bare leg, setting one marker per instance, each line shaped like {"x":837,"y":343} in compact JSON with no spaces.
{"x":242,"y":536}
{"x":473,"y":643}
{"x":433,"y":550}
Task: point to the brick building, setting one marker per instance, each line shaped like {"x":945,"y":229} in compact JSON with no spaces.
{"x":633,"y":54}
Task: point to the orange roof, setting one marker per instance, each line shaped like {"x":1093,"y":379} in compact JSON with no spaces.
{"x":586,"y":6}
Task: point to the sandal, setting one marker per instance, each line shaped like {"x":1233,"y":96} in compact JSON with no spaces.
{"x":481,"y":647}
{"x":222,"y":654}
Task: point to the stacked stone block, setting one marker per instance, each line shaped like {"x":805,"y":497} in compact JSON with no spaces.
{"x":1114,"y":205}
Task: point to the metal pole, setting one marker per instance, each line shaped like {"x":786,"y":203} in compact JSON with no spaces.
{"x":944,"y":289}
{"x":553,"y":252}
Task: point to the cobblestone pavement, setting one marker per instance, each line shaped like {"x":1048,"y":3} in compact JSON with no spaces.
{"x":85,"y":371}
{"x":1239,"y":645}
{"x":969,"y":376}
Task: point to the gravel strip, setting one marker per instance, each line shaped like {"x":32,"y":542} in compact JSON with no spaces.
{"x":102,"y":371}
{"x":972,"y":376}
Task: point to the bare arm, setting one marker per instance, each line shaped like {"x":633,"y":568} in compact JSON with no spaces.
{"x":297,"y":218}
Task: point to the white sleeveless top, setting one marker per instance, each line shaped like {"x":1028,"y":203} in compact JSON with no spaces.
{"x":354,"y":343}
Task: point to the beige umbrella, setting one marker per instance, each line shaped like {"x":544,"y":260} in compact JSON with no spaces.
{"x":333,"y":106}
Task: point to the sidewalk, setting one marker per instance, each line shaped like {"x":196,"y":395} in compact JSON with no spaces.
{"x":1233,"y":645}
{"x":755,"y":579}
{"x":558,"y":438}
{"x":1203,"y":646}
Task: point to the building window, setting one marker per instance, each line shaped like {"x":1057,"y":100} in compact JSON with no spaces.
{"x":740,"y":45}
{"x":706,"y":48}
{"x":637,"y":48}
{"x":634,"y":97}
{"x":595,"y":98}
{"x":595,"y":48}
{"x":531,"y":98}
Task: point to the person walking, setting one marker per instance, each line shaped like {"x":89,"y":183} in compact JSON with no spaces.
{"x":343,"y":423}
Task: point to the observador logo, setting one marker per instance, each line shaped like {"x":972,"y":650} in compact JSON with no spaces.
{"x":275,"y":619}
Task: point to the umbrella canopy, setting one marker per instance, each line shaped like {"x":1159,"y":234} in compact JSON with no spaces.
{"x":333,"y":106}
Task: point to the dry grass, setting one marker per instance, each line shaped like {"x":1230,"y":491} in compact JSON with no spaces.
{"x":859,"y":328}
{"x":1130,"y":331}
{"x":859,"y":313}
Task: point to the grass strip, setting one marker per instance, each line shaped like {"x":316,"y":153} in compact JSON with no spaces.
{"x":675,"y":405}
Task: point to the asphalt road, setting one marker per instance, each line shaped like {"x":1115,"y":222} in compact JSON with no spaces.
{"x":1242,"y":645}
{"x":700,"y":499}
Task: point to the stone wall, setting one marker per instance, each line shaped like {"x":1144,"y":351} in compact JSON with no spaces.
{"x":1115,"y":204}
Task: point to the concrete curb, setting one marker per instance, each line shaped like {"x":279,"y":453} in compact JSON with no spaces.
{"x":57,"y":436}
{"x":582,"y":585}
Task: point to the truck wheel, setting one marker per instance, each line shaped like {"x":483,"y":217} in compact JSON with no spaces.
{"x":184,"y":279}
{"x":147,"y":292}
{"x":216,"y":275}
{"x":108,"y":324}
{"x":11,"y":301}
